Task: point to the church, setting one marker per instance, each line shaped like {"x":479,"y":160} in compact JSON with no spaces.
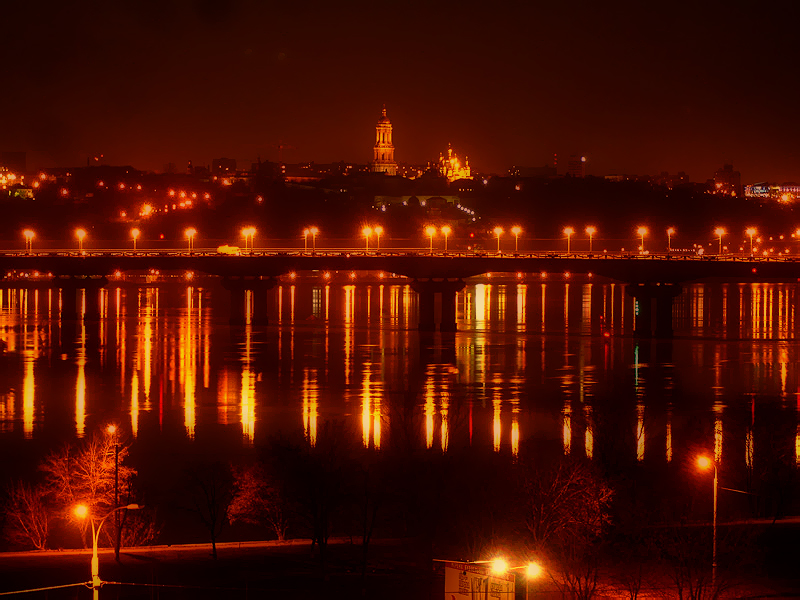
{"x":383,"y":152}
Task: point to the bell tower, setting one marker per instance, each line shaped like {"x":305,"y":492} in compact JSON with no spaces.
{"x":383,"y":151}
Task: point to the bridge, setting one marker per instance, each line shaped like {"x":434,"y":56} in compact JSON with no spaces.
{"x":654,"y":279}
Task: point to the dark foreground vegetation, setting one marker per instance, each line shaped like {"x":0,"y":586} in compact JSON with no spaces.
{"x":592,"y":524}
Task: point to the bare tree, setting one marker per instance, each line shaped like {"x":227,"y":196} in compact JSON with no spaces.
{"x":211,"y":492}
{"x":259,"y":499}
{"x":27,"y":516}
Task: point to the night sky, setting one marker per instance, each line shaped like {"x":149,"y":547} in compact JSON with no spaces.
{"x":638,"y":87}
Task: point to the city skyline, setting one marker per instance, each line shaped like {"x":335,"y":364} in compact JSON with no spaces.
{"x":634,"y":90}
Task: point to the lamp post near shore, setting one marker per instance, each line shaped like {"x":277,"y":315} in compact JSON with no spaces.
{"x":82,"y":512}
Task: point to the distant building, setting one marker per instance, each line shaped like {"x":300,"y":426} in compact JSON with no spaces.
{"x":785,"y":193}
{"x":576,"y":167}
{"x":223,"y":166}
{"x":727,"y":181}
{"x":450,"y":166}
{"x":383,"y":151}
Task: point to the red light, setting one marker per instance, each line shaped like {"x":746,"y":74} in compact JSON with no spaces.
{"x":472,"y":235}
{"x":754,"y":270}
{"x":606,"y":334}
{"x":161,"y":236}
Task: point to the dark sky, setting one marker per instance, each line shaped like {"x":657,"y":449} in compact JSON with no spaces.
{"x":638,"y":87}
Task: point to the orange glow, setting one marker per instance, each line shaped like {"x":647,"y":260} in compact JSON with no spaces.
{"x":720,"y":231}
{"x":147,"y":210}
{"x":378,"y":230}
{"x":751,"y":231}
{"x":29,"y":234}
{"x":499,"y":566}
{"x":516,"y":230}
{"x":568,"y":231}
{"x":430,"y":230}
{"x":80,"y":234}
{"x":367,"y":231}
{"x":81,"y":511}
{"x":135,"y":233}
{"x":190,"y":232}
{"x":446,"y":230}
{"x":533,"y":570}
{"x":703,"y":462}
{"x":642,"y":231}
{"x":498,"y":231}
{"x":591,"y":230}
{"x":111,"y":429}
{"x":671,"y":231}
{"x":313,"y":230}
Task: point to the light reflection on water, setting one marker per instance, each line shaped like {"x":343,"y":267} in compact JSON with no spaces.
{"x":529,"y":363}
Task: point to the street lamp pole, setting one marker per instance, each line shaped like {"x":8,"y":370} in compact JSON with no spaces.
{"x":82,"y":511}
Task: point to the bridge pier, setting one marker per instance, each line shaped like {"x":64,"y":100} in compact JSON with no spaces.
{"x":426,"y":292}
{"x":646,"y":294}
{"x":238,"y":288}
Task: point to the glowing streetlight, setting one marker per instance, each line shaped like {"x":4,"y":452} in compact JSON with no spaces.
{"x":29,"y":235}
{"x":670,"y":233}
{"x":533,"y":570}
{"x":446,"y":231}
{"x":249,"y":232}
{"x":313,"y":231}
{"x":704,"y":463}
{"x":591,"y":230}
{"x":568,"y":231}
{"x":516,"y":230}
{"x":498,"y":231}
{"x":190,"y":232}
{"x":642,"y":231}
{"x":305,"y":239}
{"x":80,"y":234}
{"x":378,"y":230}
{"x":719,"y":232}
{"x":499,"y":566}
{"x":751,"y":231}
{"x":430,"y":231}
{"x":135,"y":236}
{"x":367,"y":232}
{"x":82,"y":511}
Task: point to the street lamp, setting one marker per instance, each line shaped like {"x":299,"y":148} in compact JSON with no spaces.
{"x":135,"y":235}
{"x":29,"y":235}
{"x":498,"y":231}
{"x":446,"y":231}
{"x":670,"y":233}
{"x":112,"y":431}
{"x":378,"y":230}
{"x":704,"y":463}
{"x":719,"y":232}
{"x":367,"y":231}
{"x":591,"y":230}
{"x":249,"y":232}
{"x":751,"y":231}
{"x":82,"y":511}
{"x":80,"y":234}
{"x":568,"y":231}
{"x":430,"y":231}
{"x":642,"y":231}
{"x":516,"y":230}
{"x":533,"y":570}
{"x":305,"y":239}
{"x":190,"y":232}
{"x":313,"y":231}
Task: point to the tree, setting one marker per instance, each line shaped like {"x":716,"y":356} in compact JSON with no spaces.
{"x":27,"y":517}
{"x":85,"y":475}
{"x":211,"y":491}
{"x":259,"y":499}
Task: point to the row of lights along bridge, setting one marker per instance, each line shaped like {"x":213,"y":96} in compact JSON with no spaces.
{"x":248,"y":233}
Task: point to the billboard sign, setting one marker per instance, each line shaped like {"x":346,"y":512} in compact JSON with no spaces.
{"x":475,"y":581}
